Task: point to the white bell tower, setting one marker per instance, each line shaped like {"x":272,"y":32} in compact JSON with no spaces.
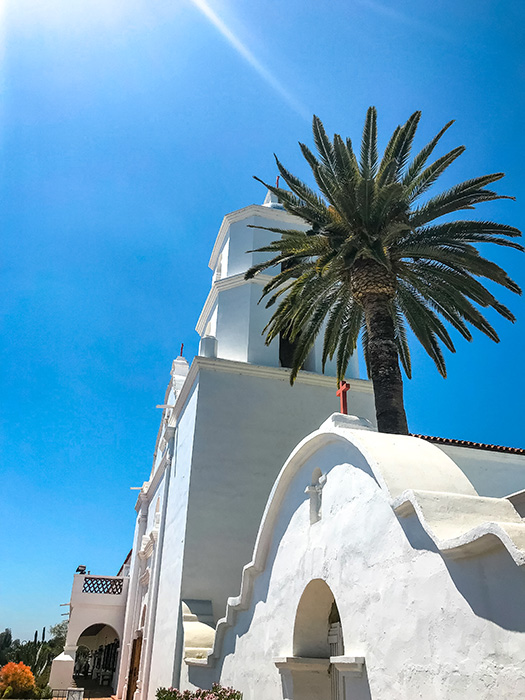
{"x":232,"y":320}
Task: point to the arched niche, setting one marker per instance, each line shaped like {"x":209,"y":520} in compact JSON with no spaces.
{"x":317,"y":637}
{"x":316,"y":612}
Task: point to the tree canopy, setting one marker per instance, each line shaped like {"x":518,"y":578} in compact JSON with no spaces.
{"x":380,"y":256}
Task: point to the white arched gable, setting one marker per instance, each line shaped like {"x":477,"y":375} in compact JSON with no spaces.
{"x":416,"y":476}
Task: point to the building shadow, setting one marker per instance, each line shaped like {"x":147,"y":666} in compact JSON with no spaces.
{"x":491,"y":583}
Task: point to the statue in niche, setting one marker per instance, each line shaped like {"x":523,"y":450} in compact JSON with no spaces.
{"x":314,"y":491}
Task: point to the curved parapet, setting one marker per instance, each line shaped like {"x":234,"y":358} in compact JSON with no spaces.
{"x":462,"y":526}
{"x":418,"y":478}
{"x":397,"y":462}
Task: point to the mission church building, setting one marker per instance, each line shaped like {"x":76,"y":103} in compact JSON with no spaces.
{"x":370,"y":565}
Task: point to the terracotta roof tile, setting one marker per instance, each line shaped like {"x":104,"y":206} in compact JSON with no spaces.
{"x":472,"y":445}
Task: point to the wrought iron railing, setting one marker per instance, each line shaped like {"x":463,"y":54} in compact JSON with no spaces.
{"x":99,"y":584}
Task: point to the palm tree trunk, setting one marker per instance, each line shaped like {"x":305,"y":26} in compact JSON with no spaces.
{"x":383,"y":365}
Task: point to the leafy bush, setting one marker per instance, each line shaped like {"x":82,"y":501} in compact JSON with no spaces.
{"x":217,"y":692}
{"x":16,"y":680}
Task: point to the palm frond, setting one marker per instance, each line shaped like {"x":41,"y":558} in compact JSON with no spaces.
{"x":403,"y":143}
{"x":387,"y":161}
{"x":428,"y":177}
{"x":463,"y":196}
{"x":425,"y":325}
{"x":323,"y":145}
{"x":369,"y":157}
{"x":424,"y":154}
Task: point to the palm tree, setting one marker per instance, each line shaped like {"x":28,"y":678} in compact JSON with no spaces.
{"x":375,"y":261}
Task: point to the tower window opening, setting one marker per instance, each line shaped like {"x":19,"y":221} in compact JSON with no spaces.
{"x":286,"y":350}
{"x":287,"y":347}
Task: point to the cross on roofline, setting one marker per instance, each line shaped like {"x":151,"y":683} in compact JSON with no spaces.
{"x":341,"y":392}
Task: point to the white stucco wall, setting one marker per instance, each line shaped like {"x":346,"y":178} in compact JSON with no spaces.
{"x":492,"y":473}
{"x":428,"y":626}
{"x":156,"y":561}
{"x":164,"y":627}
{"x":246,"y":426}
{"x":242,"y":238}
{"x":233,"y":326}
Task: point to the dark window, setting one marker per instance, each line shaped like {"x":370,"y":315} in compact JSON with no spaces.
{"x":286,"y":350}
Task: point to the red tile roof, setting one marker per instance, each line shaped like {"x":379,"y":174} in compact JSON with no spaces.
{"x":471,"y":445}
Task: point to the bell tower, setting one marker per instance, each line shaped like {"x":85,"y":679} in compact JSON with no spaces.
{"x":229,"y":422}
{"x":232,"y":320}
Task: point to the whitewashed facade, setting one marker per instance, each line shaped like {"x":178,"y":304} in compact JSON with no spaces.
{"x":426,"y":576}
{"x":369,"y":566}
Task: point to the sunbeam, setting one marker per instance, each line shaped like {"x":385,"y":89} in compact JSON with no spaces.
{"x":254,"y":62}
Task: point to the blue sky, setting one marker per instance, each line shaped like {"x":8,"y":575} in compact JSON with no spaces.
{"x":128,"y":129}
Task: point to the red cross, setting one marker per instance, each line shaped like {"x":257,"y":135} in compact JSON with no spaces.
{"x":341,"y":392}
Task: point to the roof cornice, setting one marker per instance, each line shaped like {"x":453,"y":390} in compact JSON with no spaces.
{"x":281,"y":373}
{"x":222,"y":285}
{"x":231,"y":366}
{"x":244,"y":213}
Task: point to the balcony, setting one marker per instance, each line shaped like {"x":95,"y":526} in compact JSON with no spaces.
{"x":99,"y":590}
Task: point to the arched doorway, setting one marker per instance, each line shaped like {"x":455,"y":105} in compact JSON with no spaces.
{"x":318,"y":636}
{"x":96,"y":660}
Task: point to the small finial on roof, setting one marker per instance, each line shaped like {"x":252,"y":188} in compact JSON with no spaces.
{"x":272,"y":200}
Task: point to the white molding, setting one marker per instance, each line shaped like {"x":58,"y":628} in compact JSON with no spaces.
{"x":147,"y":546}
{"x":245,"y":213}
{"x":302,"y":663}
{"x":148,"y":542}
{"x":149,"y":488}
{"x":282,"y":373}
{"x":221,"y":286}
{"x":349,"y":665}
{"x":362,"y":386}
{"x":165,"y":463}
{"x":144,"y":579}
{"x":197,"y":662}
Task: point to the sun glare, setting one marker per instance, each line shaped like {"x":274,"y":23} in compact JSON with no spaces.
{"x":252,"y":60}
